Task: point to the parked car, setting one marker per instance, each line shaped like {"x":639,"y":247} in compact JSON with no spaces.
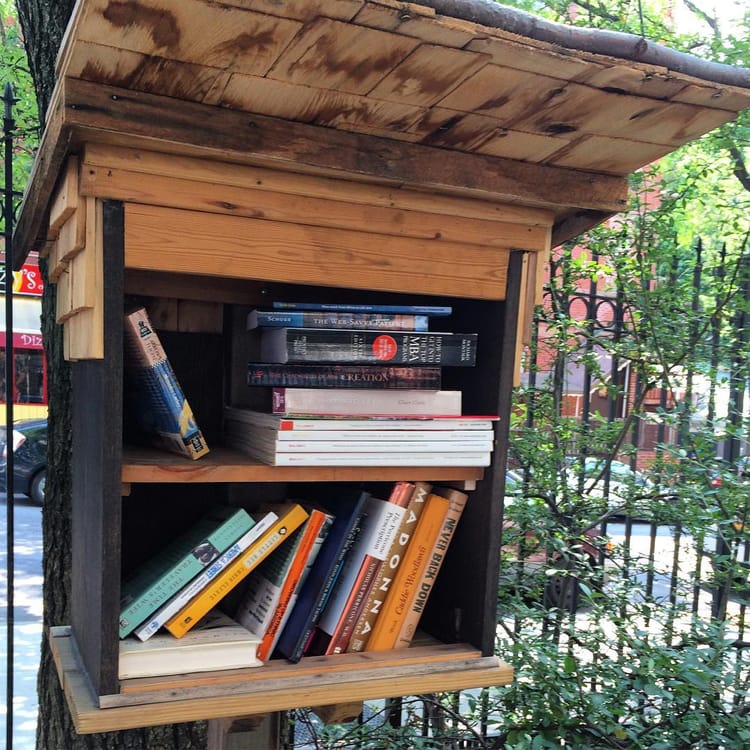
{"x":29,"y":441}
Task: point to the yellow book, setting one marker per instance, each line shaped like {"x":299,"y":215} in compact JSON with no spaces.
{"x":402,"y":591}
{"x":291,"y":516}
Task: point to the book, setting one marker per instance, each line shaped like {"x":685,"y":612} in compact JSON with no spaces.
{"x":217,"y":642}
{"x":305,"y":439}
{"x":376,"y":596}
{"x":426,"y":582}
{"x":374,"y":458}
{"x":429,"y":310}
{"x":328,"y":319}
{"x":476,"y":441}
{"x":343,"y":376}
{"x":363,"y":563}
{"x":285,"y":424}
{"x":322,"y":577}
{"x":350,"y":346}
{"x":152,"y":583}
{"x":154,"y":398}
{"x":370,"y":402}
{"x":403,"y":588}
{"x":273,"y":587}
{"x":150,"y":626}
{"x":291,"y":516}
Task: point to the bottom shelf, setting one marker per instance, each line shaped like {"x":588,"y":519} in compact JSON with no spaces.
{"x":277,"y":686}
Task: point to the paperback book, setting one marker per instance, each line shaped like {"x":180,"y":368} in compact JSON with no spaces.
{"x":347,"y":346}
{"x":329,"y":319}
{"x":365,"y":402}
{"x":343,"y":376}
{"x":153,"y":396}
{"x":164,"y":574}
{"x":429,"y":310}
{"x":217,"y":642}
{"x":288,"y":424}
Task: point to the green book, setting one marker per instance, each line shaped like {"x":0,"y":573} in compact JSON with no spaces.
{"x":164,"y":574}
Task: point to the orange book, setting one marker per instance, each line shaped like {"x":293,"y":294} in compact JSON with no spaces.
{"x":435,"y":560}
{"x":403,"y":589}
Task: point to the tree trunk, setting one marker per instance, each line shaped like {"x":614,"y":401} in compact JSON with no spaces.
{"x":43,"y":23}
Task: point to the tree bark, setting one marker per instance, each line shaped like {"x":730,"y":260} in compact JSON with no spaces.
{"x":43,"y":23}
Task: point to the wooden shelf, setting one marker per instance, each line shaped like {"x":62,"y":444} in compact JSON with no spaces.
{"x":277,"y":686}
{"x":224,"y":465}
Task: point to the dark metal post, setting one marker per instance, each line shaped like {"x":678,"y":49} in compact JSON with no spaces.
{"x":8,"y":128}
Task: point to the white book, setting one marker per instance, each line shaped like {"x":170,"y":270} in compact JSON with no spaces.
{"x":350,"y":436}
{"x":217,"y":642}
{"x":366,"y":402}
{"x":148,"y":628}
{"x":437,"y":458}
{"x":285,"y":424}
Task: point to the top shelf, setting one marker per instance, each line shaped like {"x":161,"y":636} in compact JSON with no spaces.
{"x":224,"y":465}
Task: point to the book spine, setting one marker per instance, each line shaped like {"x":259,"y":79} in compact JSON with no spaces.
{"x":141,"y":605}
{"x":210,"y":596}
{"x":433,"y":310}
{"x":179,"y":600}
{"x":343,"y":376}
{"x":345,"y":346}
{"x":371,"y":565}
{"x":365,"y":402}
{"x":442,"y":458}
{"x":370,"y":446}
{"x":403,"y":589}
{"x":310,"y":543}
{"x":363,"y":625}
{"x":325,"y":319}
{"x":437,"y":555}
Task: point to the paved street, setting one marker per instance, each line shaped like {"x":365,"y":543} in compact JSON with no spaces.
{"x":27,"y":622}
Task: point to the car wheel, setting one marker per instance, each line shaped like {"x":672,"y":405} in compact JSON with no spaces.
{"x":36,"y":491}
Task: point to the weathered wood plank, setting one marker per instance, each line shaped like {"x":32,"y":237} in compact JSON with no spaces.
{"x":186,"y":126}
{"x":65,"y":198}
{"x":211,"y":172}
{"x":192,"y":242}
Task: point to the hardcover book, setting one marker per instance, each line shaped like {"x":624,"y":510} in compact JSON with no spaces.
{"x":327,"y":319}
{"x":430,"y":310}
{"x":287,"y":424}
{"x":376,"y":596}
{"x":364,"y":561}
{"x":217,"y":642}
{"x":424,"y":585}
{"x":371,"y":402}
{"x":197,"y":584}
{"x":153,"y":396}
{"x":348,"y":346}
{"x":273,"y":587}
{"x":291,"y":516}
{"x":314,"y":594}
{"x":403,"y":589}
{"x":343,"y":376}
{"x":164,"y":574}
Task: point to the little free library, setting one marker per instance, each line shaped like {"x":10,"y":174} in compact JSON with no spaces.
{"x":296,"y":245}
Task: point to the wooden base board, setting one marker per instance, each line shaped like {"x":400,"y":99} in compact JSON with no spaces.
{"x":278,"y":686}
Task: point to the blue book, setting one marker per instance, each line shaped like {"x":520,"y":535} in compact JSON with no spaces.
{"x":434,"y":310}
{"x":322,"y":577}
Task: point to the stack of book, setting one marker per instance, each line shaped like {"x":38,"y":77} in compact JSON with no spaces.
{"x":356,"y":576}
{"x":357,"y":385}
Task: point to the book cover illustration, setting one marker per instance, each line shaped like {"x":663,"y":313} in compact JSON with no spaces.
{"x":165,"y":573}
{"x":153,"y":396}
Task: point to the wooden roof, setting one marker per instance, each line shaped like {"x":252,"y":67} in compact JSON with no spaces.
{"x":456,"y":96}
